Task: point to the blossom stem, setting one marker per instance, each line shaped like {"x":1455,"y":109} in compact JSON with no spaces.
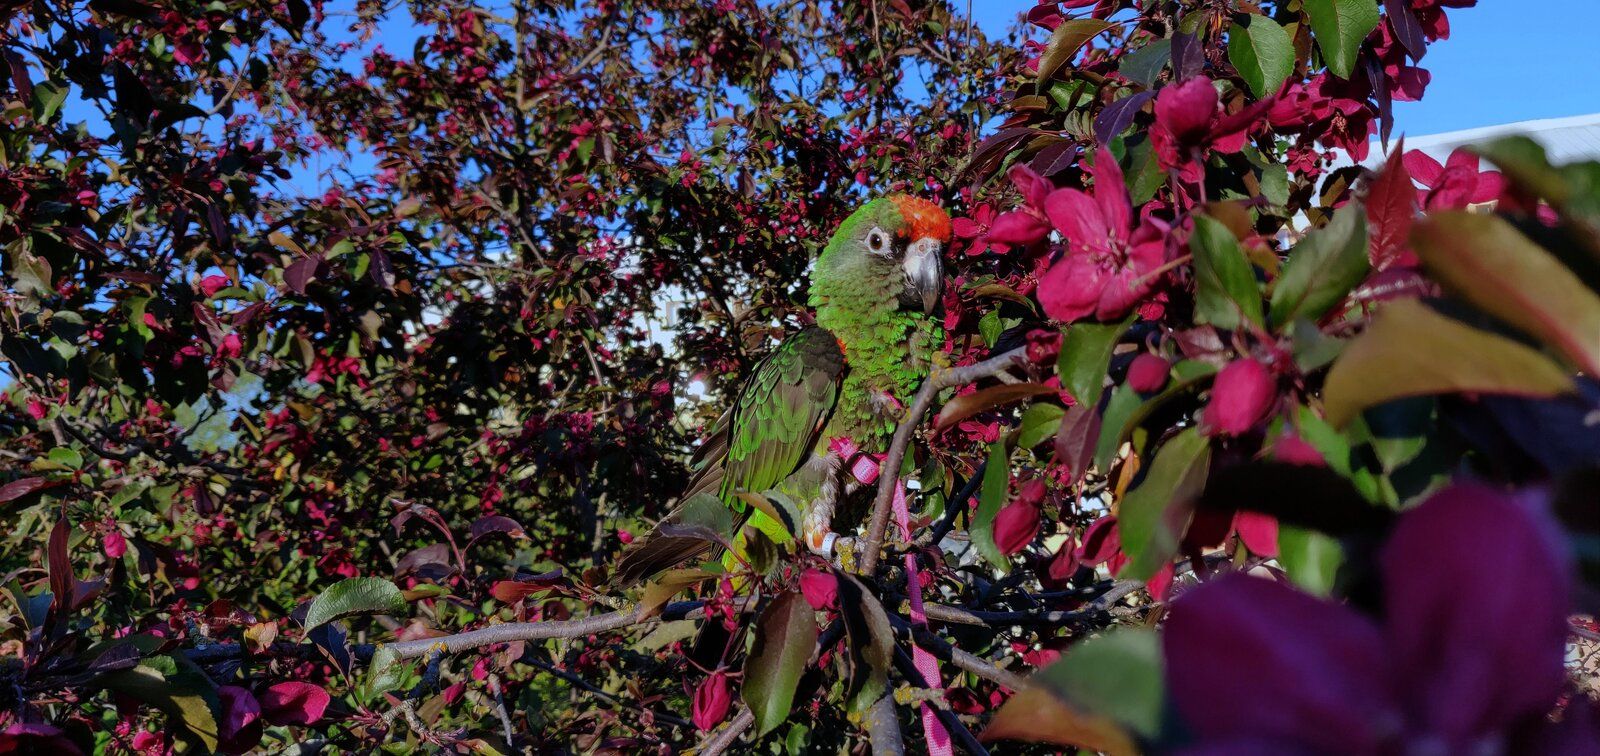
{"x":1163,"y":270}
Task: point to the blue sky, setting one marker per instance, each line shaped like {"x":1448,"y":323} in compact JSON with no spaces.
{"x":1505,"y":61}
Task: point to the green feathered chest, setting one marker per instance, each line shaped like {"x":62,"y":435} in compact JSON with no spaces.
{"x":888,"y":358}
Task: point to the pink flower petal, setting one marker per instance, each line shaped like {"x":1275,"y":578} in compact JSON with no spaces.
{"x":1071,"y":288}
{"x":1476,"y":595}
{"x":1017,"y":228}
{"x":1111,"y":194}
{"x":1079,"y":218}
{"x":1422,"y":167}
{"x":1251,"y":658}
{"x":821,"y":589}
{"x":1258,"y":531}
{"x":294,"y":703}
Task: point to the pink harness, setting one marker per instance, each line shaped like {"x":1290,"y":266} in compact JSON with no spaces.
{"x":865,"y":469}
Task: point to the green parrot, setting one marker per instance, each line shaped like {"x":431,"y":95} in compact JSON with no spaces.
{"x":831,"y":390}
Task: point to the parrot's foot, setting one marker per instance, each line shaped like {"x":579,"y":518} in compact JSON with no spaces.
{"x":840,"y":551}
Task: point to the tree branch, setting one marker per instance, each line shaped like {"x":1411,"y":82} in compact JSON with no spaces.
{"x":729,"y":735}
{"x":938,"y":380}
{"x":883,"y":728}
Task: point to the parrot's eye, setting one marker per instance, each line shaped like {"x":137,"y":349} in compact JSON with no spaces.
{"x":878,"y":241}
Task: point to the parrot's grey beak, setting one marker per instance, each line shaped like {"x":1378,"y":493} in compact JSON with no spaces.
{"x":924,"y":270}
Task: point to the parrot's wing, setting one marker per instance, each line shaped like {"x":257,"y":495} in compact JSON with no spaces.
{"x":767,"y":434}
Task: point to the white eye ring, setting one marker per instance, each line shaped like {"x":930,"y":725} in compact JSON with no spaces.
{"x":877,"y":241}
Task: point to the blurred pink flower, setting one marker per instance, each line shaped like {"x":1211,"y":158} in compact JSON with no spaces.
{"x":1255,"y":666}
{"x":1456,"y":184}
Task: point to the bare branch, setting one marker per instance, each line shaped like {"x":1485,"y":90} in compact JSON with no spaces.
{"x":727,"y":736}
{"x":938,"y":380}
{"x":883,"y":728}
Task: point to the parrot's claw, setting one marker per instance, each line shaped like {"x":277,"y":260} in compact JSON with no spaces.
{"x":844,"y":554}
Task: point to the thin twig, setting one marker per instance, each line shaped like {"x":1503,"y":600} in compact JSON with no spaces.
{"x":729,"y":735}
{"x":939,"y":380}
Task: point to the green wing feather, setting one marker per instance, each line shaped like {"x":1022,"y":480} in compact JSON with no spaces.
{"x":774,"y":425}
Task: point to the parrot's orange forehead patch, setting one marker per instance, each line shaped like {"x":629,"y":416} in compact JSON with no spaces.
{"x":923,"y":218}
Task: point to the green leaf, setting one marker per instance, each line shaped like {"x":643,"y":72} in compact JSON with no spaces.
{"x":1410,"y":350}
{"x":1489,"y":263}
{"x":1263,"y":53}
{"x":178,"y":689}
{"x":1340,"y":27}
{"x":359,"y":595}
{"x":1039,"y":423}
{"x":1311,"y":559}
{"x":1152,"y":517}
{"x":870,"y":640}
{"x":1275,"y":184}
{"x":67,"y":457}
{"x":1145,"y":64}
{"x":32,"y":275}
{"x":47,"y":99}
{"x":785,"y":636}
{"x":1227,"y":286}
{"x":1086,"y":357}
{"x":1125,"y":412}
{"x":385,"y":672}
{"x":991,"y":497}
{"x":1064,"y":44}
{"x":1117,"y":675}
{"x":1322,"y":268}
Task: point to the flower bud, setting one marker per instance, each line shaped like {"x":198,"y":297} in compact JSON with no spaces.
{"x":711,"y":701}
{"x":1148,"y":373}
{"x":821,"y":589}
{"x":1241,"y":396}
{"x":1016,"y":526}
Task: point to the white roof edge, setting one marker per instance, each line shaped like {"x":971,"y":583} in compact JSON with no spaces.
{"x":1484,"y":132}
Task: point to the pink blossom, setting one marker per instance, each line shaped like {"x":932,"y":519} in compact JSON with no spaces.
{"x":1456,"y":184}
{"x":1190,"y":121}
{"x":1257,"y":667}
{"x":1241,"y":396}
{"x":114,"y":544}
{"x":210,"y":285}
{"x":1107,"y":268}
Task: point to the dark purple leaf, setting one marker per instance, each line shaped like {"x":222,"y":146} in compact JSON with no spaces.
{"x":432,"y":562}
{"x":381,"y":270}
{"x":1076,"y":439}
{"x":63,"y":582}
{"x":487,"y":526}
{"x":1188,"y":56}
{"x":300,"y":273}
{"x":1055,"y":158}
{"x":1406,"y":29}
{"x":1118,"y":116}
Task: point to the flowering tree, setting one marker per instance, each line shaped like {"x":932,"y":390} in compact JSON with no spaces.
{"x":352,"y":465}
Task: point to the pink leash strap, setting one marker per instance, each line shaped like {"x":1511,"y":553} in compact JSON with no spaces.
{"x":938,"y":736}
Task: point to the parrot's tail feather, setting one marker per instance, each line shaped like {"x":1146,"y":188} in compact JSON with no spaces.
{"x":657,"y":554}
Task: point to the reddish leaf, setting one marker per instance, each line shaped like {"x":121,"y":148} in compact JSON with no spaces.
{"x":967,"y":405}
{"x":1391,"y":211}
{"x":1075,"y":441}
{"x":63,"y":583}
{"x":17,"y":489}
